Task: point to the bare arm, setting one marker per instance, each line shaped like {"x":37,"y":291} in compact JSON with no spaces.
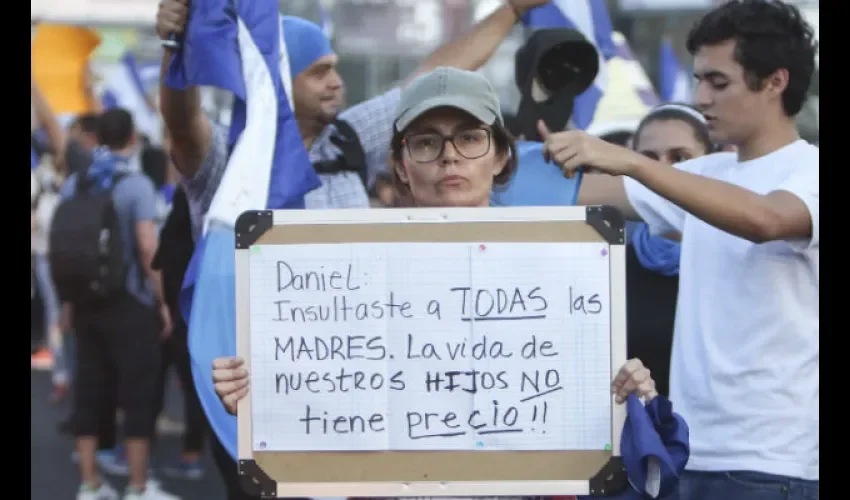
{"x":147,"y":240}
{"x":778,"y":215}
{"x":190,"y":130}
{"x":601,"y":189}
{"x":475,"y":48}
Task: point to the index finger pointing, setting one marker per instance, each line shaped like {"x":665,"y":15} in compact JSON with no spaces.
{"x":543,"y":130}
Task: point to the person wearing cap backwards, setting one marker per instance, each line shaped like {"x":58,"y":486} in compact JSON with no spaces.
{"x":449,"y":148}
{"x":200,"y":149}
{"x":746,"y":353}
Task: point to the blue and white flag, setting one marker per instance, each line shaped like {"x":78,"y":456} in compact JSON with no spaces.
{"x":675,"y":82}
{"x":590,"y":17}
{"x":124,"y":88}
{"x":325,"y":20}
{"x":238,"y":47}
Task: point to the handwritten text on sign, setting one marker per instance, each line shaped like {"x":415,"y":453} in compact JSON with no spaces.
{"x":420,"y":346}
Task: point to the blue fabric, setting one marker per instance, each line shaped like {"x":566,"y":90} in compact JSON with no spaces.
{"x":209,"y":307}
{"x":167,"y":192}
{"x":668,"y":71}
{"x":109,"y":100}
{"x":536,"y":182}
{"x":39,"y":137}
{"x":655,"y":253}
{"x":655,"y":431}
{"x":565,"y":14}
{"x":112,"y":97}
{"x":306,"y":43}
{"x":210,"y":56}
{"x":104,"y":166}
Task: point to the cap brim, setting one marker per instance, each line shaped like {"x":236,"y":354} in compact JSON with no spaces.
{"x":461,"y":103}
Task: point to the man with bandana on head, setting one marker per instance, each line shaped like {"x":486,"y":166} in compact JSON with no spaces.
{"x":200,"y":149}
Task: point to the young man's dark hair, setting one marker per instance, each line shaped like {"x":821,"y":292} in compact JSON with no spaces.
{"x":87,"y":122}
{"x":769,"y":35}
{"x":115,"y":129}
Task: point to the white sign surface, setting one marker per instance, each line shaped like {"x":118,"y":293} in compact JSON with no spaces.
{"x":430,"y":346}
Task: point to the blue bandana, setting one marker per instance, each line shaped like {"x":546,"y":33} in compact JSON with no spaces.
{"x":305,"y":43}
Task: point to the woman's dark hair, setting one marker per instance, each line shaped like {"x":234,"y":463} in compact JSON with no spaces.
{"x":620,"y":138}
{"x":680,"y":112}
{"x":769,"y":35}
{"x":503,"y":141}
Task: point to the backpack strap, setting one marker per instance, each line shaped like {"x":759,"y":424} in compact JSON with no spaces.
{"x":352,"y":157}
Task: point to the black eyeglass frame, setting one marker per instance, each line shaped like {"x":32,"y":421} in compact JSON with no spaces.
{"x":447,"y":138}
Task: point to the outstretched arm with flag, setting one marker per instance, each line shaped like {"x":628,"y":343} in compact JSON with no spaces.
{"x":235,"y":46}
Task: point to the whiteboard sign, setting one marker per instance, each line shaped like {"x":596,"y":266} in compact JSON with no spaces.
{"x":430,"y":346}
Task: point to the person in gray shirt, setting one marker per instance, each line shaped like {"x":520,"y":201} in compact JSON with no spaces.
{"x":118,"y":351}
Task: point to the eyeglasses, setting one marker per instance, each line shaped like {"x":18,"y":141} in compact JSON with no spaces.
{"x":470,"y":143}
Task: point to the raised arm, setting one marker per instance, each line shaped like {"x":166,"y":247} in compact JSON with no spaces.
{"x":475,"y":48}
{"x":788,"y":213}
{"x":190,"y":130}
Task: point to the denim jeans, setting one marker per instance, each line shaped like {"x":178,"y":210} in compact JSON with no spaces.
{"x":743,"y":485}
{"x":52,"y":310}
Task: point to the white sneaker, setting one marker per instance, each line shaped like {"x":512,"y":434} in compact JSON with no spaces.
{"x":153,"y":491}
{"x":105,"y":492}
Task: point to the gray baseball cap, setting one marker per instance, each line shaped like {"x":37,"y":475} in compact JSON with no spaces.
{"x":448,"y":87}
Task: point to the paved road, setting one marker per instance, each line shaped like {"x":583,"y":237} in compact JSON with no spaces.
{"x":54,"y":477}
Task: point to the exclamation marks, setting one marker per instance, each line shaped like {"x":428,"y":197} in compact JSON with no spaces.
{"x":540,"y":413}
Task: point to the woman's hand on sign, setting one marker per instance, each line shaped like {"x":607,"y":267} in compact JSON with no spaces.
{"x":231,"y":381}
{"x":634,"y":378}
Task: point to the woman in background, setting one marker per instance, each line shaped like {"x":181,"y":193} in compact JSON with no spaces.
{"x":670,"y":133}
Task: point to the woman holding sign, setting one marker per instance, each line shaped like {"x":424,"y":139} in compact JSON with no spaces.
{"x":449,"y":148}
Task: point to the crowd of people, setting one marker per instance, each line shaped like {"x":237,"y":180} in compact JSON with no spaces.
{"x":721,"y":194}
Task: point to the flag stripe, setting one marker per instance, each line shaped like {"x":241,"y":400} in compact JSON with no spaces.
{"x":239,"y":49}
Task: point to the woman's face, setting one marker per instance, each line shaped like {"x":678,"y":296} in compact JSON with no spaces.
{"x":669,"y":141}
{"x":459,"y":176}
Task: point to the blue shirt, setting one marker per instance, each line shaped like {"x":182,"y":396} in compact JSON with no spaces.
{"x":135,"y":201}
{"x":536,"y":182}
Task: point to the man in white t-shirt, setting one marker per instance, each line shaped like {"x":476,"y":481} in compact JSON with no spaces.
{"x":746,"y":353}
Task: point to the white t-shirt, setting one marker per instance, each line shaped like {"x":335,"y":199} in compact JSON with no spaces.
{"x":746,"y":354}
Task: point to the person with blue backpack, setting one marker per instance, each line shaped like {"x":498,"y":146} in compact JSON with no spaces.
{"x":450,"y":149}
{"x":103,"y":239}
